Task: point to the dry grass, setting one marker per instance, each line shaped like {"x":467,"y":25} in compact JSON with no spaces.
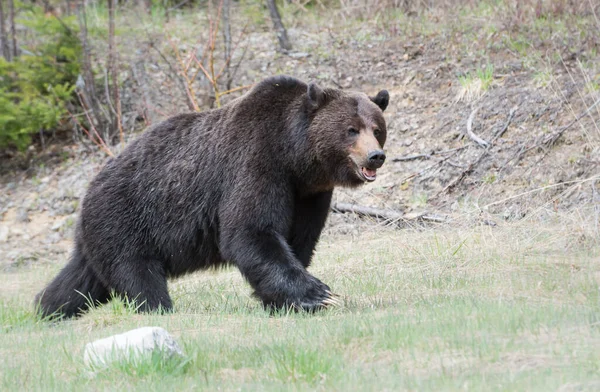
{"x":514,"y":306}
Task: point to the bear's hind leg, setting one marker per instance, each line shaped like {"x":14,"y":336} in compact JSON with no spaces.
{"x":75,"y":289}
{"x":145,"y":282}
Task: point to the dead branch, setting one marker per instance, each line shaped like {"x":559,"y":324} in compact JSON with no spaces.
{"x":465,"y":173}
{"x":425,"y":156}
{"x":551,"y":139}
{"x":174,"y":74}
{"x":502,"y":130}
{"x":414,"y":175}
{"x":547,"y":142}
{"x":412,"y":157}
{"x":471,"y":134}
{"x":388,"y":216}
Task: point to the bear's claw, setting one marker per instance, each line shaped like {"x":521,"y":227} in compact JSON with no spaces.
{"x":333,"y":299}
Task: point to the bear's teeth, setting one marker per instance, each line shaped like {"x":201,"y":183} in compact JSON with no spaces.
{"x":369,"y":173}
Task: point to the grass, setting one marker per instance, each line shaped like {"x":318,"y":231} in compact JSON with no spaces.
{"x":473,"y":85}
{"x":515,"y":307}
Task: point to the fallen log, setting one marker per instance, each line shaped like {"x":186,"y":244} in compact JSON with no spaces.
{"x":388,"y":216}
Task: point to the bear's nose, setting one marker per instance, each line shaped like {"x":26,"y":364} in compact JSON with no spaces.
{"x":376,"y":159}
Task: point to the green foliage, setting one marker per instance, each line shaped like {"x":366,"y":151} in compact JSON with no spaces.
{"x":36,"y":86}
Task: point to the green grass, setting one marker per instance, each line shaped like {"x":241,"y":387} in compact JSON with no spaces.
{"x":514,"y":307}
{"x":475,"y":84}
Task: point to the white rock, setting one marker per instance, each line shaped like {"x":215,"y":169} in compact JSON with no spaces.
{"x":130,"y":345}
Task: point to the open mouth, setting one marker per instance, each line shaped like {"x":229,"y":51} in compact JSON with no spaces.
{"x":368,"y":174}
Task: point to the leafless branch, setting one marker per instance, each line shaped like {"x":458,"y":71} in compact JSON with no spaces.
{"x":465,"y":173}
{"x":425,"y":156}
{"x":502,"y":130}
{"x":412,"y":157}
{"x":553,"y":138}
{"x":388,"y":216}
{"x":471,"y":134}
{"x":414,"y":175}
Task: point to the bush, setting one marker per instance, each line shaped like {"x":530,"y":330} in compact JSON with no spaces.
{"x":35,"y":88}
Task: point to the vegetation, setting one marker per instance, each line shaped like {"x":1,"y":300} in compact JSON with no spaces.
{"x":36,"y":88}
{"x":43,"y":58}
{"x":505,"y":295}
{"x":509,"y":308}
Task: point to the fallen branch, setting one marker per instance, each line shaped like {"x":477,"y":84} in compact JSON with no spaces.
{"x":473,"y":164}
{"x":425,"y":156}
{"x":551,"y":139}
{"x":548,"y":141}
{"x":470,"y":132}
{"x":592,"y":178}
{"x":388,"y":216}
{"x":433,"y":165}
{"x":412,"y":157}
{"x":500,"y":132}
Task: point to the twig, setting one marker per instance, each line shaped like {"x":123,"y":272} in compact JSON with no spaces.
{"x":384,"y":215}
{"x":412,"y":157}
{"x":551,"y":139}
{"x":433,"y":165}
{"x":425,"y":156}
{"x":233,"y":90}
{"x":593,"y":178}
{"x":500,"y":132}
{"x":473,"y":164}
{"x":470,"y":133}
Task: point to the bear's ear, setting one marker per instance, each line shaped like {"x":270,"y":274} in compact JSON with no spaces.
{"x":382,"y":99}
{"x":315,"y":96}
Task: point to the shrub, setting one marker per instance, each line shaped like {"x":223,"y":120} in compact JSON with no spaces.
{"x":35,"y":88}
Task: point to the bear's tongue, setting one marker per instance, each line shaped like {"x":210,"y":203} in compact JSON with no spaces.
{"x":369,"y":173}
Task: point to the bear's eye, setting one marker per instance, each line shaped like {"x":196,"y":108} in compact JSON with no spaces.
{"x":376,"y":132}
{"x":352,"y":132}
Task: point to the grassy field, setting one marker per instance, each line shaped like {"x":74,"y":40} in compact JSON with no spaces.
{"x":512,"y":307}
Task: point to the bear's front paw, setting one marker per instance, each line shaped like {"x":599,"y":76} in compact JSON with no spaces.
{"x":309,"y":295}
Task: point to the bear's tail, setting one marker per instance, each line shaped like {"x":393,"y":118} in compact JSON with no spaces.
{"x":75,"y":289}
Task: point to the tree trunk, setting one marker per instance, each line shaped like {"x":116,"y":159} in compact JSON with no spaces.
{"x":284,"y":42}
{"x":4,"y":49}
{"x":227,"y":41}
{"x":87,"y":89}
{"x":113,"y":71}
{"x":13,"y":30}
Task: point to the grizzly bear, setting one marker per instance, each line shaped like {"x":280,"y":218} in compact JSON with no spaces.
{"x":248,"y":184}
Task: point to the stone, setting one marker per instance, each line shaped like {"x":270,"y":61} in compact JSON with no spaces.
{"x":131,"y":345}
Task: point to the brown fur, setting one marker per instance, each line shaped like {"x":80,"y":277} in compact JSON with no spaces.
{"x":248,"y":184}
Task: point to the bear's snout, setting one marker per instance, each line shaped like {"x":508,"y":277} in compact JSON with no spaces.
{"x":375,"y":159}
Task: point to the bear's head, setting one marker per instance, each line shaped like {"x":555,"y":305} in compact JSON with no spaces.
{"x":348,"y":132}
